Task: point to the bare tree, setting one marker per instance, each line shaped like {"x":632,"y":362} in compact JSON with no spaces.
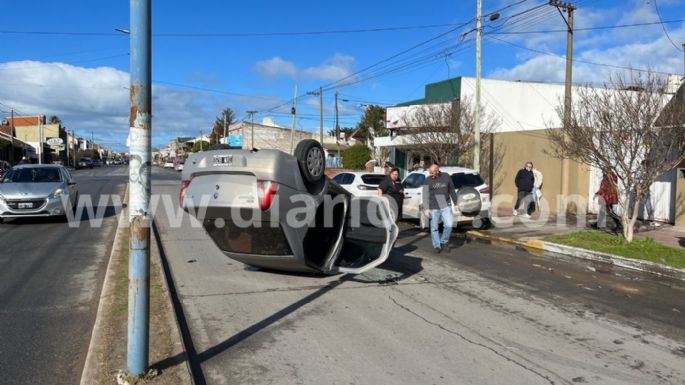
{"x":633,"y":130}
{"x":445,"y":132}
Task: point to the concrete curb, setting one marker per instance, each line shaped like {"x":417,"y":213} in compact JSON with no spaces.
{"x":177,"y":335}
{"x":633,"y":264}
{"x":90,"y":368}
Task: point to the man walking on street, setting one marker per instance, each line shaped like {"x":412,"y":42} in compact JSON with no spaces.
{"x":438,"y":191}
{"x":525,"y":182}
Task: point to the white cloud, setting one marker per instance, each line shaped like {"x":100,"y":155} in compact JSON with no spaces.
{"x":96,"y":99}
{"x":643,"y":47}
{"x":276,"y":67}
{"x":334,"y":68}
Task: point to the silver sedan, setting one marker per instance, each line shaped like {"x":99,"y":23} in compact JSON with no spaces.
{"x":37,"y":191}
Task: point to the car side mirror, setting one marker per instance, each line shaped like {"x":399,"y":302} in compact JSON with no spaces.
{"x":72,"y":183}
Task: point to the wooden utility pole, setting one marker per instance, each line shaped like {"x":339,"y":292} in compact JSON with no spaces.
{"x":568,"y":8}
{"x":293,"y":111}
{"x":337,"y":125}
{"x":225,"y":128}
{"x":251,"y":113}
{"x":12,"y":133}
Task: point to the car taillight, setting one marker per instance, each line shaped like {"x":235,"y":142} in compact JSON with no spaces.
{"x":267,"y":189}
{"x":485,"y":190}
{"x":182,"y":192}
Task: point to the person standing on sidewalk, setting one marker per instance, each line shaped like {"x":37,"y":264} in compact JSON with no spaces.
{"x":525,"y":182}
{"x":392,"y":187}
{"x":439,"y":196}
{"x":537,"y":188}
{"x":608,"y":197}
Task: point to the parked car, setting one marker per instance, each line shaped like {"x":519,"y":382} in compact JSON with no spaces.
{"x":339,"y":236}
{"x":179,"y":165}
{"x":35,"y":190}
{"x":85,"y":162}
{"x":360,"y":183}
{"x":470,"y":188}
{"x":4,"y":167}
{"x":168,"y":164}
{"x":97,"y":163}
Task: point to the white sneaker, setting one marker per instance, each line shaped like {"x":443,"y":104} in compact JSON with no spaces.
{"x":516,"y":213}
{"x":526,"y":216}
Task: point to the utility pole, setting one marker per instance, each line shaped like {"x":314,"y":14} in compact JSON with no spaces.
{"x":337,"y":125}
{"x":73,"y":137}
{"x":225,"y":128}
{"x":319,"y":93}
{"x":293,"y":111}
{"x":40,"y":140}
{"x":476,"y":134}
{"x":683,"y":60}
{"x":140,"y":136}
{"x":568,"y":8}
{"x":66,"y":146}
{"x":12,"y":133}
{"x":251,"y":113}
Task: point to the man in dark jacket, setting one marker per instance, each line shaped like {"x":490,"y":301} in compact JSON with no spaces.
{"x":438,"y":191}
{"x":525,"y":181}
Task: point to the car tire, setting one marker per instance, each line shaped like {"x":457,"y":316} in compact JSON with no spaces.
{"x":311,"y":159}
{"x":485,"y":224}
{"x":469,"y":201}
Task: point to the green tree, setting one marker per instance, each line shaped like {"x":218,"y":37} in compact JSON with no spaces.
{"x":54,"y":119}
{"x":355,"y":157}
{"x":200,"y":145}
{"x":374,"y":118}
{"x":218,"y":127}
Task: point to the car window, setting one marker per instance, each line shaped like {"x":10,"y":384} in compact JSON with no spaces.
{"x":33,"y":175}
{"x":461,"y":179}
{"x":343,"y":178}
{"x":414,"y":180}
{"x":373,"y":179}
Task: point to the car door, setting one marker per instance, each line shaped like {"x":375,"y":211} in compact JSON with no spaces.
{"x":413,"y":189}
{"x":369,"y":235}
{"x":71,"y":185}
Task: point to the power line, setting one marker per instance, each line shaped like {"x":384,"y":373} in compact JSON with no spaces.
{"x":579,"y":60}
{"x":663,"y":26}
{"x":235,"y":34}
{"x":588,"y":28}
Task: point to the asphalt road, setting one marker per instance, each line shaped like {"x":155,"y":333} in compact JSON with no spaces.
{"x":50,"y":281}
{"x":480,"y":314}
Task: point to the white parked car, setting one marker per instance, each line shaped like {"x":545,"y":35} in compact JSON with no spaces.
{"x":179,"y":165}
{"x":360,"y":183}
{"x":462,"y":178}
{"x":168,"y":165}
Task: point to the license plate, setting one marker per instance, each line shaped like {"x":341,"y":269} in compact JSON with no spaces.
{"x":25,"y":205}
{"x":223,"y":160}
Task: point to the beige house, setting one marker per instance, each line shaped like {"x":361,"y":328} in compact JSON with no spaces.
{"x":524,"y":111}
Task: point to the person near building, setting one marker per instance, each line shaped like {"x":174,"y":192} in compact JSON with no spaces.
{"x":439,"y":195}
{"x":537,"y":188}
{"x":608,"y":197}
{"x":525,"y":183}
{"x":392,"y":187}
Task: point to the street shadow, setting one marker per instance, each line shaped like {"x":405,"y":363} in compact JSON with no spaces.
{"x":191,"y":354}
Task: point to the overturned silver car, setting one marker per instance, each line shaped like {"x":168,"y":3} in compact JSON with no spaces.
{"x":278,"y":211}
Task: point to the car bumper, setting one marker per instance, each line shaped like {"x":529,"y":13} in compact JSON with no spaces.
{"x":50,"y":207}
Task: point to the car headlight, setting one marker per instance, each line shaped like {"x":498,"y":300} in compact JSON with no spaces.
{"x":60,"y":191}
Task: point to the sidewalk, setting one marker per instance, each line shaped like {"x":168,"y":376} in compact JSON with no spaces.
{"x":532,"y":232}
{"x":523,"y":229}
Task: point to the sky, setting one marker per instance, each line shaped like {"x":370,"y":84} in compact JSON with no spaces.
{"x":66,"y":59}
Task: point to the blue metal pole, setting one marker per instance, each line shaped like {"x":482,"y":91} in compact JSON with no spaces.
{"x":139,"y":187}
